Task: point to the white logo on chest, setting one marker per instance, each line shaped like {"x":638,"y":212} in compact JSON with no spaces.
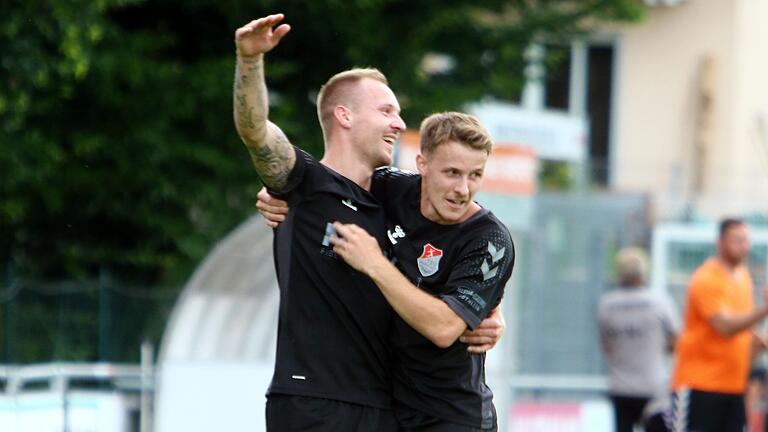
{"x":348,"y":203}
{"x":398,"y":233}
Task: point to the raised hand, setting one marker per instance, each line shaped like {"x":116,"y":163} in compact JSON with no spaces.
{"x":260,"y":36}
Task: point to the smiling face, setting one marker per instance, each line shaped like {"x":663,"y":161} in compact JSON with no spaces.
{"x":450,"y":177}
{"x":376,"y":123}
{"x":356,"y":107}
{"x":454,"y":149}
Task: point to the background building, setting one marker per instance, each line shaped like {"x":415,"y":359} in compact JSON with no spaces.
{"x":678,"y":105}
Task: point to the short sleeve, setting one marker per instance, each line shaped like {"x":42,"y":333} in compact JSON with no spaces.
{"x":707,"y":297}
{"x":295,"y":178}
{"x":476,"y":283}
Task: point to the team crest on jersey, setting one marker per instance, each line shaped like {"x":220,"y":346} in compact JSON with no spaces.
{"x":429,"y":261}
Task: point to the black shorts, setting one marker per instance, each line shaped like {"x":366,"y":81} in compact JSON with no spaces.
{"x":443,"y":426}
{"x":416,"y":421}
{"x":628,"y":411}
{"x":287,"y":413}
{"x":702,"y":411}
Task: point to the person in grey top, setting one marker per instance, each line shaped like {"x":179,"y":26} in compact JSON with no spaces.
{"x":637,"y":328}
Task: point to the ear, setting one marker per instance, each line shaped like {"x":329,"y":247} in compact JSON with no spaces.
{"x":343,"y":116}
{"x":421,"y":163}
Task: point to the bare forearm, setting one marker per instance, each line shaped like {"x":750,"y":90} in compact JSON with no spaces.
{"x":251,"y":103}
{"x":271,"y":152}
{"x":428,"y":315}
{"x":758,"y":345}
{"x":728,"y":325}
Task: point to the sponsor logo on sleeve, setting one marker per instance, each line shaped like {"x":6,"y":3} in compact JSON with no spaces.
{"x":471,"y":299}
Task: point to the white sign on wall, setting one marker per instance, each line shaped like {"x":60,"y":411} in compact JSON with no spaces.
{"x":553,"y":135}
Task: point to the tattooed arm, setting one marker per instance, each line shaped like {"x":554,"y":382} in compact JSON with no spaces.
{"x":271,"y":152}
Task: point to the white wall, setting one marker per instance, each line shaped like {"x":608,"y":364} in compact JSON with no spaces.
{"x":750,"y":158}
{"x":658,"y":67}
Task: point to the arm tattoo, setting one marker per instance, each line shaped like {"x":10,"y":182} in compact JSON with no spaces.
{"x":274,"y":161}
{"x":252,"y":66}
{"x":244,"y":113}
{"x":244,"y":118}
{"x":271,"y":152}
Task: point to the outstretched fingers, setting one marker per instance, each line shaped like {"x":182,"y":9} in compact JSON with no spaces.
{"x":280,"y":31}
{"x":267,"y":21}
{"x":263,"y":29}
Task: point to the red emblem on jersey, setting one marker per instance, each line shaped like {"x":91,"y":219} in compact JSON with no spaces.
{"x":429,"y":261}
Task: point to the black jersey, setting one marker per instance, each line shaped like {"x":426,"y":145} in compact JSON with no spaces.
{"x":466,"y":265}
{"x":334,"y":323}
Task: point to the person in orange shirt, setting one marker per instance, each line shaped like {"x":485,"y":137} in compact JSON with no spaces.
{"x":715,"y":348}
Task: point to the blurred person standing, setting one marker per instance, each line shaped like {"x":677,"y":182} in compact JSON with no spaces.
{"x":713,"y":354}
{"x":637,"y":329}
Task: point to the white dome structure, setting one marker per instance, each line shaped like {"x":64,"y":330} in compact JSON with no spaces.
{"x":217,"y":354}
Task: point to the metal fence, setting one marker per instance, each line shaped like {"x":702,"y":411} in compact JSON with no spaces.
{"x":568,"y":253}
{"x":101,"y":319}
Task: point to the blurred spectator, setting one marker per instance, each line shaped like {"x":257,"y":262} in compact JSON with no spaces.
{"x":713,"y":354}
{"x":637,"y":331}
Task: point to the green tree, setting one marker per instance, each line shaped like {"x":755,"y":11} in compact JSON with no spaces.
{"x":118,"y":149}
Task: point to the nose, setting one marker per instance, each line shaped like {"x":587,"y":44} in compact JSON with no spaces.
{"x":398,"y":123}
{"x":461,"y":187}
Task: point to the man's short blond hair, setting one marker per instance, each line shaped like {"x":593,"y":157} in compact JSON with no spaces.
{"x":338,"y":91}
{"x":465,"y":129}
{"x":631,"y":263}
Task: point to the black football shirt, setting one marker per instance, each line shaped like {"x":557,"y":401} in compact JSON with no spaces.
{"x":334,"y":323}
{"x":466,"y":265}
